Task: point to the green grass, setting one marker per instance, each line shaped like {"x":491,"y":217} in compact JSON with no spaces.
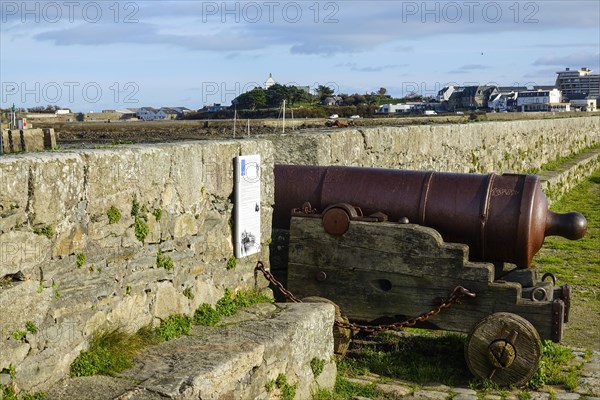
{"x":163,"y":261}
{"x":437,"y":357}
{"x":8,"y":393}
{"x":317,"y":365}
{"x":80,"y":260}
{"x":419,"y":359}
{"x":556,"y":368}
{"x":10,"y":371}
{"x":210,"y":316}
{"x":346,"y":390}
{"x":135,"y":206}
{"x":141,"y":228}
{"x":189,"y":293}
{"x":559,"y":161}
{"x":19,"y":336}
{"x":47,"y":231}
{"x":113,"y":214}
{"x":112,"y":352}
{"x":577,"y":262}
{"x":174,"y":326}
{"x":231,"y":263}
{"x":287,"y":391}
{"x":31,"y":327}
{"x":140,"y":225}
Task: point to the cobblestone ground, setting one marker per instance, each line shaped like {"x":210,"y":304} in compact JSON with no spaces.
{"x":589,"y":388}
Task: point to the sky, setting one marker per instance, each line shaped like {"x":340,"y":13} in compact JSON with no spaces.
{"x":95,"y":55}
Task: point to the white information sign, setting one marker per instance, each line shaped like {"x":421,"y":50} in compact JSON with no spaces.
{"x":247,"y":205}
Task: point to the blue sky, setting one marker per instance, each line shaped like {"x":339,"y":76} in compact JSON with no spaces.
{"x":94,"y":55}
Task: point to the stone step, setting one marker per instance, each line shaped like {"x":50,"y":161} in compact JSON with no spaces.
{"x":236,"y":360}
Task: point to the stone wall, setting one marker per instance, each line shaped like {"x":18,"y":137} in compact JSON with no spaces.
{"x":65,"y":267}
{"x":54,"y":213}
{"x":504,"y":146}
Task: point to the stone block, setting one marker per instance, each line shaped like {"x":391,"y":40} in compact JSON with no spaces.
{"x":169,"y":301}
{"x":20,"y":303}
{"x":57,"y":185}
{"x":237,"y":361}
{"x":6,"y":148}
{"x":184,"y":225}
{"x":49,"y":138}
{"x":111,"y":180}
{"x":32,"y":139}
{"x":347,"y":147}
{"x":12,"y":352}
{"x":72,"y":240}
{"x":218,"y":167}
{"x":22,"y":251}
{"x":186,"y":178}
{"x":14,"y":184}
{"x":14,"y":141}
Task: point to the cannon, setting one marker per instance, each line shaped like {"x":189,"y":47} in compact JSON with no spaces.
{"x":388,"y":245}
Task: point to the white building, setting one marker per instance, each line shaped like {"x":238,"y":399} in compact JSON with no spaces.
{"x":498,"y":102}
{"x":395,"y":108}
{"x":445,"y":93}
{"x":147,"y":113}
{"x":581,"y":81}
{"x":503,"y":101}
{"x":541,"y":100}
{"x":581,"y":102}
{"x":269,"y":82}
{"x":167,"y":113}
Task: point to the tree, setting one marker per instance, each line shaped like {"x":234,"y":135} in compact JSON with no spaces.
{"x":298,"y":95}
{"x":323,"y":92}
{"x":413,"y":96}
{"x":251,"y":100}
{"x":49,"y":109}
{"x":382,"y":91}
{"x":276,"y":94}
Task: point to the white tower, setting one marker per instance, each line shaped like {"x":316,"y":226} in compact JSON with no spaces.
{"x":269,"y":82}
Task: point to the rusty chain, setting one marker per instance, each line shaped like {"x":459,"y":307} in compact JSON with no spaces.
{"x":457,"y":294}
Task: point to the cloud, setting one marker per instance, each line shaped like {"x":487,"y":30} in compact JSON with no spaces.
{"x":465,"y":69}
{"x":355,"y":67}
{"x":232,"y":27}
{"x":470,"y":67}
{"x":580,"y":59}
{"x":146,"y":34}
{"x":404,"y":49}
{"x":378,"y":68}
{"x":541,"y":73}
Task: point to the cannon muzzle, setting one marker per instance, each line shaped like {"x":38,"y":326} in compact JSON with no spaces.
{"x":502,"y":218}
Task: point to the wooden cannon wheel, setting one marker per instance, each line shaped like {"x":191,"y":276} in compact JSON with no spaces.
{"x":504,"y":348}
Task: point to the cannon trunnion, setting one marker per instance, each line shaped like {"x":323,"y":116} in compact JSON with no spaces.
{"x":377,"y":270}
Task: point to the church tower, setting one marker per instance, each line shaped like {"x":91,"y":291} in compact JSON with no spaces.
{"x":269,"y":82}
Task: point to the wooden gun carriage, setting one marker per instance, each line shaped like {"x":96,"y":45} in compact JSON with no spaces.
{"x":376,"y":264}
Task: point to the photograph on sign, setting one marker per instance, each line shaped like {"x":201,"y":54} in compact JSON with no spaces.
{"x":247,"y":205}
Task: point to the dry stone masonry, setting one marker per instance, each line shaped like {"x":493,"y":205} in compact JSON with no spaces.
{"x":80,"y":230}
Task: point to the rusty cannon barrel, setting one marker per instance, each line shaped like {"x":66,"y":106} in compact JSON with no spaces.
{"x":502,"y":218}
